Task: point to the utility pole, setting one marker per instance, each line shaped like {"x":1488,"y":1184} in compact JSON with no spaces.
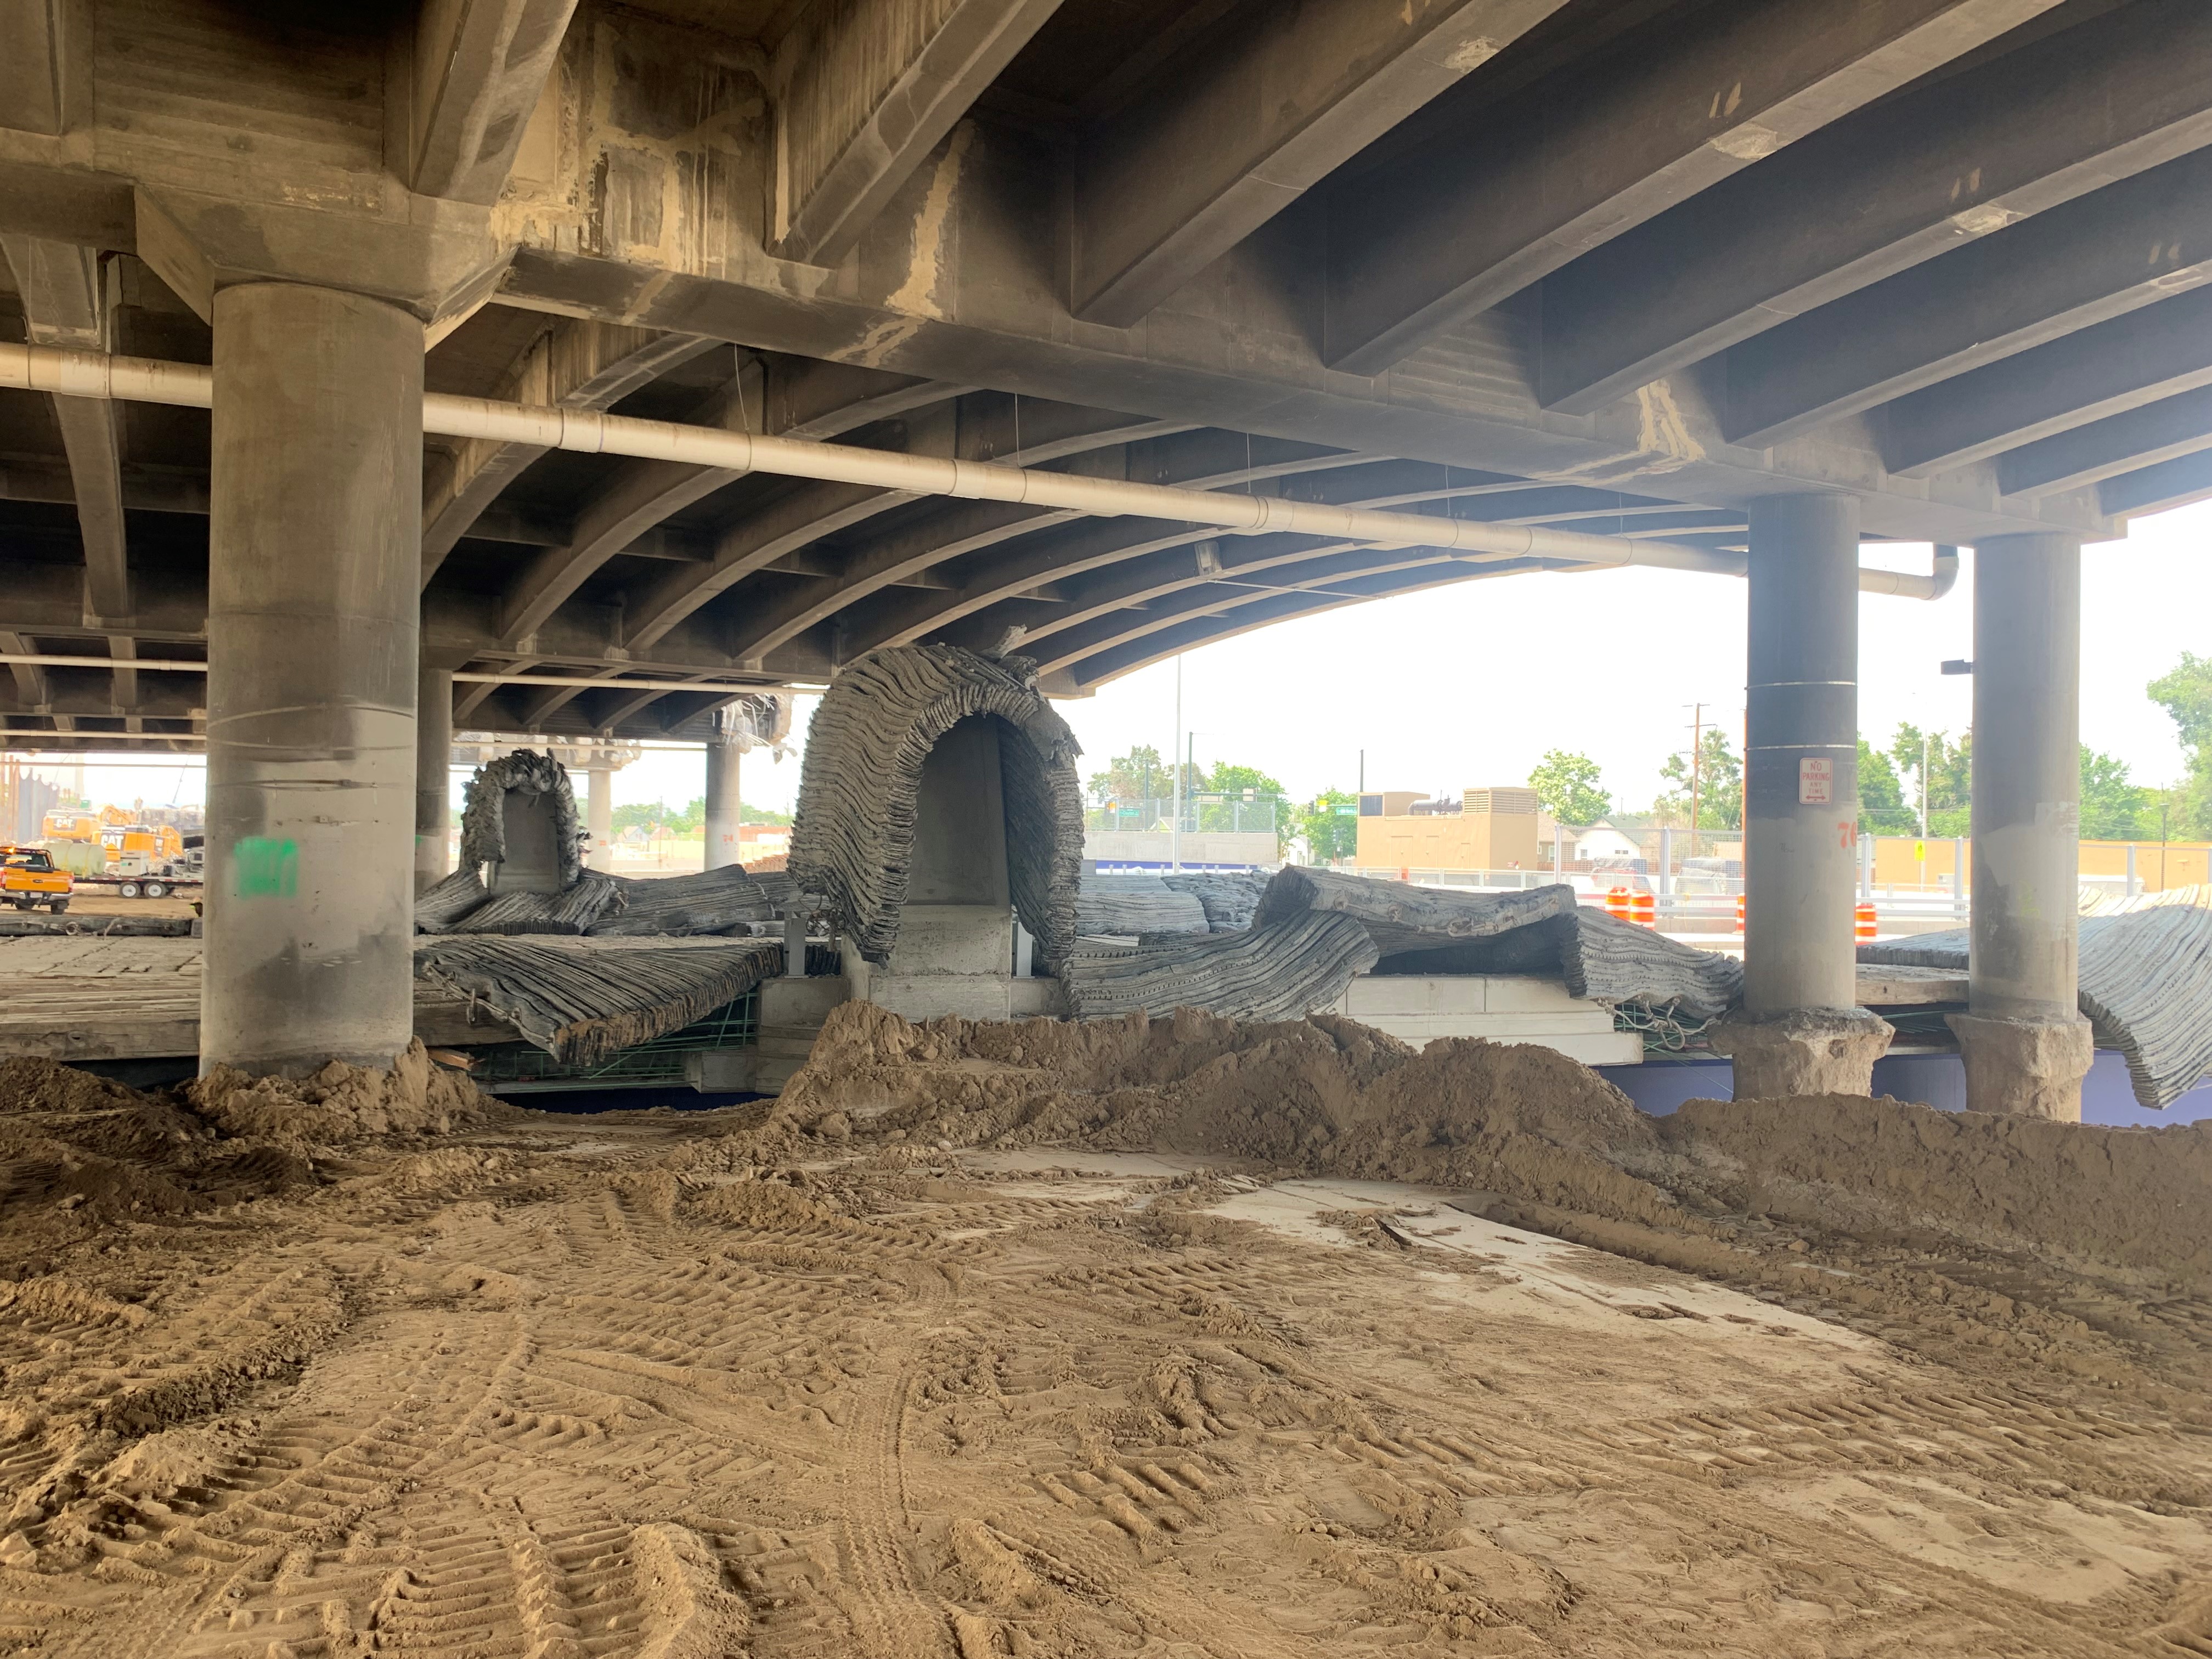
{"x":1174,"y":824}
{"x":1697,"y":766}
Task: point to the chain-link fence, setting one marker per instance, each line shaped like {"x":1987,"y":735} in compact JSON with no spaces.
{"x":1203,"y":814}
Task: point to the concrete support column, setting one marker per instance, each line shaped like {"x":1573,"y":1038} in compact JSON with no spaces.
{"x":2026,"y":1046}
{"x":313,"y":601}
{"x":1800,"y":1030}
{"x":721,"y":803}
{"x":434,"y":771}
{"x":599,"y":815}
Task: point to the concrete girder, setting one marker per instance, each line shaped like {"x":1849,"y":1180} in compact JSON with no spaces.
{"x":1242,"y":125}
{"x":46,"y":65}
{"x":478,"y":67}
{"x":1419,"y":244}
{"x":1208,"y":460}
{"x":147,"y":489}
{"x":899,"y":558}
{"x":2126,"y":442}
{"x":1140,"y":561}
{"x":1879,"y":192}
{"x":2077,"y":264}
{"x":2176,"y":482}
{"x":1232,"y":362}
{"x":2136,"y":358}
{"x":636,"y":496}
{"x":1267,"y":609}
{"x":68,"y":301}
{"x":573,"y":363}
{"x":863,"y":92}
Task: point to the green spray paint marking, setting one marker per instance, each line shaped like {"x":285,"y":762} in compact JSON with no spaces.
{"x":266,"y":868}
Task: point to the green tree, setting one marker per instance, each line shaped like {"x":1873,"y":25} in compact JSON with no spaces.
{"x":1950,"y":777}
{"x":2113,"y":809}
{"x":1330,"y":824}
{"x":1720,"y":784}
{"x":1883,"y":811}
{"x":1567,"y":785}
{"x":2186,"y":694}
{"x":1141,"y":775}
{"x":1249,"y":788}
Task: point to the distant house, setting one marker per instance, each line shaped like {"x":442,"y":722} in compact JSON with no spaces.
{"x":1602,"y":840}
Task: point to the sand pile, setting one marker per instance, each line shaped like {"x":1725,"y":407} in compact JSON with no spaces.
{"x":75,"y":1142}
{"x":1326,"y":1096}
{"x":342,"y":1103}
{"x":801,"y":1381}
{"x":2138,"y":1198}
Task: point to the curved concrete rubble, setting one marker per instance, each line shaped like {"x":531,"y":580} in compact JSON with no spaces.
{"x":853,"y":837}
{"x":1284,"y":971}
{"x":1411,"y":930}
{"x":483,"y":816}
{"x":1104,"y":907}
{"x":582,"y":1002}
{"x":2146,"y":985}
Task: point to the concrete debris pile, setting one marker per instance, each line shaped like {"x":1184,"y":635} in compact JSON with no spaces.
{"x":2146,"y":985}
{"x":1229,"y":896}
{"x":1282,"y":965}
{"x":1401,"y":917}
{"x":581,"y":1004}
{"x":730,"y":900}
{"x":1276,"y":972}
{"x":542,"y":782}
{"x":592,"y":899}
{"x":853,"y":837}
{"x":1135,"y":907}
{"x":711,"y":901}
{"x":1597,"y":956}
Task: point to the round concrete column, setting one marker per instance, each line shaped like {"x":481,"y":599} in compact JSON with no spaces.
{"x":722,"y":809}
{"x":313,"y":595}
{"x":1800,"y":1030}
{"x":599,"y":815}
{"x":2026,"y":1046}
{"x":434,"y":767}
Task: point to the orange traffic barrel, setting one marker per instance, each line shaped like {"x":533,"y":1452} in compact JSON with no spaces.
{"x":1739,"y":913}
{"x":1616,"y":902}
{"x":1643,"y":909}
{"x":1868,"y":923}
{"x":1405,"y":873}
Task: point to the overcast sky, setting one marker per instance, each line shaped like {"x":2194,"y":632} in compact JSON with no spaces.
{"x":1469,"y":684}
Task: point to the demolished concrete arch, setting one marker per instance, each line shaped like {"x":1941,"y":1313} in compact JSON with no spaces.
{"x":538,"y":787}
{"x":853,"y":838}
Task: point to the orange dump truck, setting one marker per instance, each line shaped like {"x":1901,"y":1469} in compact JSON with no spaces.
{"x":29,"y":878}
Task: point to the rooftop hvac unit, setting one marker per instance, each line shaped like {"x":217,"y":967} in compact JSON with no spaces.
{"x":1506,"y":799}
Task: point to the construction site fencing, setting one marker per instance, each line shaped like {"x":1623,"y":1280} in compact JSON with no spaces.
{"x":1204,"y":813}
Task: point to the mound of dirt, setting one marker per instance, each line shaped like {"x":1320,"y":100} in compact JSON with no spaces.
{"x":78,"y":1143}
{"x":2135,"y":1197}
{"x":1324,"y":1095}
{"x":342,"y":1103}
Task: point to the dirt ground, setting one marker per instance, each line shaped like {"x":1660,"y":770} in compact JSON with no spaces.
{"x":1191,"y":1340}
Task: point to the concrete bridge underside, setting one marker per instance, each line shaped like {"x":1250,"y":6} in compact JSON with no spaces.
{"x":1781,"y":277}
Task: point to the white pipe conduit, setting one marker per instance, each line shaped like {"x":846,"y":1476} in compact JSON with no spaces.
{"x":170,"y":665}
{"x":141,"y":379}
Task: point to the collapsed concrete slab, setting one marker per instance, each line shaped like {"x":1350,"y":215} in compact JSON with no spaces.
{"x":582,"y":1000}
{"x":2146,"y":985}
{"x":1282,"y":971}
